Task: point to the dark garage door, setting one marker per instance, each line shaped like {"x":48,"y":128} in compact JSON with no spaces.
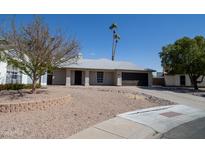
{"x":139,"y":79}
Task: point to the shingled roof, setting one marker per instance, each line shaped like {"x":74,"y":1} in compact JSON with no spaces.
{"x":104,"y":64}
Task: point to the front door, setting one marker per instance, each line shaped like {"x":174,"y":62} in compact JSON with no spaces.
{"x":78,"y":77}
{"x":182,"y":80}
{"x":49,"y":79}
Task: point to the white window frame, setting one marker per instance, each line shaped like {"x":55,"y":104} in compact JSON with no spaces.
{"x":13,"y":75}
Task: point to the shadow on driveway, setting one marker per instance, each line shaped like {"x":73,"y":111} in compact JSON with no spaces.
{"x":190,"y":130}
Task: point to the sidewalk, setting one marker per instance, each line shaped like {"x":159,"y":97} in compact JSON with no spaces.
{"x":145,"y":123}
{"x":116,"y":128}
{"x":164,"y":118}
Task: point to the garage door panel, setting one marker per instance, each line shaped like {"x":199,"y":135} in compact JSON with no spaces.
{"x":139,"y":79}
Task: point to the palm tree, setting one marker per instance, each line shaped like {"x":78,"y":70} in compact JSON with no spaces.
{"x":116,"y":38}
{"x":113,"y":26}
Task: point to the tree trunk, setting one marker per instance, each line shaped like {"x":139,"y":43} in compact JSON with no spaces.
{"x":33,"y":86}
{"x":113,"y":44}
{"x":40,"y":81}
{"x":194,"y":81}
{"x":195,"y":85}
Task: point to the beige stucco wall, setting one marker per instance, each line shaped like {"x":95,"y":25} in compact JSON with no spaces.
{"x":59,"y":77}
{"x":83,"y":78}
{"x":108,"y":78}
{"x":174,"y":80}
{"x":118,"y":78}
{"x":188,"y":81}
{"x":87,"y":78}
{"x":150,"y":78}
{"x":72,"y":77}
{"x":68,"y":77}
{"x":170,"y":80}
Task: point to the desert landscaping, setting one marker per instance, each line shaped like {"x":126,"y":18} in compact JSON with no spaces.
{"x":82,"y":108}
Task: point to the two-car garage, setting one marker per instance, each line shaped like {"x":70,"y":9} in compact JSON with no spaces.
{"x":134,"y":79}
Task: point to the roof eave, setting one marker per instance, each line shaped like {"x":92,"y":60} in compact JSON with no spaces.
{"x":145,"y":70}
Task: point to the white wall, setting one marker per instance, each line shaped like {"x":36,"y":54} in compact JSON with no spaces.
{"x":188,"y":81}
{"x":44,"y":79}
{"x":170,"y":80}
{"x":24,"y":79}
{"x":118,"y":78}
{"x":27,"y":80}
{"x":3,"y":72}
{"x":174,"y":80}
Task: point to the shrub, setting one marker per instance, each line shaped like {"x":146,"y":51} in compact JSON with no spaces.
{"x":17,"y":86}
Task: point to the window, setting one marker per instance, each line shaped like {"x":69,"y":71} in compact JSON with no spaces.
{"x":99,"y":77}
{"x":13,"y":75}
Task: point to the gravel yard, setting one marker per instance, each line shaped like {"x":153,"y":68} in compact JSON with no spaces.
{"x":88,"y":106}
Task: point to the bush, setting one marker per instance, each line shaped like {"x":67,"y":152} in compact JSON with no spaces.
{"x":29,"y":86}
{"x":17,"y":86}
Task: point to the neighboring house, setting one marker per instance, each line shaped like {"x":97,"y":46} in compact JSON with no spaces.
{"x":9,"y":74}
{"x":180,"y":80}
{"x":100,"y":72}
{"x":158,"y":79}
{"x":159,"y":75}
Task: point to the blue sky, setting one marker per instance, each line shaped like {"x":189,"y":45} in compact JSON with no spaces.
{"x":142,"y":36}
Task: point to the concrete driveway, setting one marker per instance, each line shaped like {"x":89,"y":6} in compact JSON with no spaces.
{"x":179,"y":98}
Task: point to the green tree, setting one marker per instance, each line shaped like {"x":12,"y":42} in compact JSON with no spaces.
{"x":185,"y":56}
{"x":34,"y":49}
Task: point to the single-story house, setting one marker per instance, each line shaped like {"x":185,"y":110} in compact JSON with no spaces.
{"x":180,"y":80}
{"x":100,"y":72}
